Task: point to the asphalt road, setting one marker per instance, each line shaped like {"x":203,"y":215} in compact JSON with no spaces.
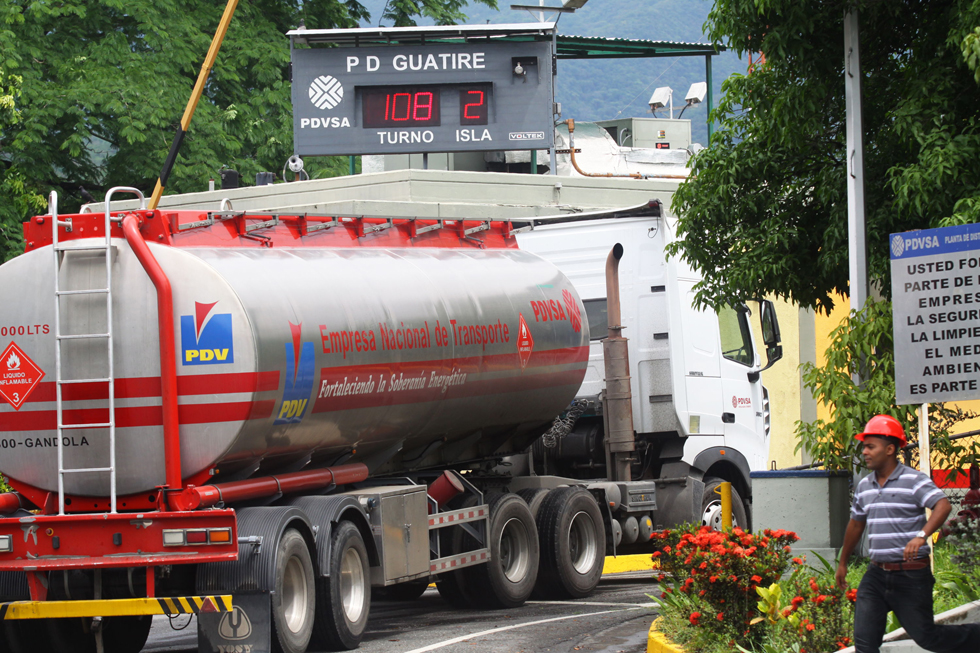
{"x":613,"y":620}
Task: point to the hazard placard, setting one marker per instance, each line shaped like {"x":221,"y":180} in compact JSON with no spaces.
{"x":525,"y":343}
{"x":18,"y":375}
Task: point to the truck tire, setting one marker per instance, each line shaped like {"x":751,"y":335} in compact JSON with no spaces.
{"x":294,"y":599}
{"x":71,"y":635}
{"x":343,"y":597}
{"x":408,"y":591}
{"x":573,"y":544}
{"x":26,"y":635}
{"x":711,"y":506}
{"x":533,"y":498}
{"x":507,"y":580}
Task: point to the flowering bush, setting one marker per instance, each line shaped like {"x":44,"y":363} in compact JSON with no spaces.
{"x":714,"y":575}
{"x":723,"y":591}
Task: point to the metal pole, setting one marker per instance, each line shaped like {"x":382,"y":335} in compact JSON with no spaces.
{"x":534,"y":162}
{"x":554,"y":75}
{"x":185,"y":121}
{"x":857,"y":247}
{"x":725,"y":490}
{"x":925,"y":461}
{"x":711,"y":95}
{"x":353,"y":169}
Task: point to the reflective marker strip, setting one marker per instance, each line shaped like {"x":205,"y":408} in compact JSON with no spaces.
{"x":115,"y":607}
{"x":458,"y":516}
{"x":458,"y":562}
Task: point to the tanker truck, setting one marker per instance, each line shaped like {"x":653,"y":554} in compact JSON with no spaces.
{"x":259,"y":418}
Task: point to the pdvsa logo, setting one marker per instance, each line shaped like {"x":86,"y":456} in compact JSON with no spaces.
{"x":300,"y":370}
{"x":206,"y":339}
{"x":741,"y":402}
{"x":326,"y":92}
{"x":574,"y":314}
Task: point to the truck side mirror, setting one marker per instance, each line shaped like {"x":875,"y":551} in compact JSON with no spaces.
{"x":770,"y":333}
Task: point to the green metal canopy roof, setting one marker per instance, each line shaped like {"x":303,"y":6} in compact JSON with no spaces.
{"x":597,"y":47}
{"x":569,"y":47}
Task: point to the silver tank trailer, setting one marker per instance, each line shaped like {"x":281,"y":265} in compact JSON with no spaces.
{"x":400,"y":358}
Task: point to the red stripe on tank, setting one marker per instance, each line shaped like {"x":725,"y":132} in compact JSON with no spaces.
{"x":138,"y":416}
{"x":142,"y":387}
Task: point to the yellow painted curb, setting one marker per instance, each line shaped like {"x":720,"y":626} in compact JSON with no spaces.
{"x":657,"y":642}
{"x":638,"y":562}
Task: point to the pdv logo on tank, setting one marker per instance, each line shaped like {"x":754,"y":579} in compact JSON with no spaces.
{"x":300,"y":370}
{"x":205,"y":341}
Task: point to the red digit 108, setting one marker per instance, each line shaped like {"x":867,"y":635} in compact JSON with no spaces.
{"x":401,"y":107}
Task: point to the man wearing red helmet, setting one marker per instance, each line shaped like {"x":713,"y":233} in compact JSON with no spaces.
{"x":891,"y":503}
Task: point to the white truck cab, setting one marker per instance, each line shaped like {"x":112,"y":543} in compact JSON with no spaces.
{"x":699,"y":407}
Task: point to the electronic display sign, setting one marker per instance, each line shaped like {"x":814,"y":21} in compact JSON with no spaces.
{"x":449,"y":97}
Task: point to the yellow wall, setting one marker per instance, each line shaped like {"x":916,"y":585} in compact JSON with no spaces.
{"x":783,"y":382}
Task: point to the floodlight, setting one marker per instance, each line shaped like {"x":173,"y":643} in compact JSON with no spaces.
{"x":661,"y":97}
{"x":573,"y":4}
{"x":697,"y":93}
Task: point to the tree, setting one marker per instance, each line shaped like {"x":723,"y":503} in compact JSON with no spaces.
{"x":105,"y":82}
{"x":765,"y":211}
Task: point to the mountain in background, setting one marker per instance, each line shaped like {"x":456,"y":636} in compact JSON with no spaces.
{"x":603,"y":89}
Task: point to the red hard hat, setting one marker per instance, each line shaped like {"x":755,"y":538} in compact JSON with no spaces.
{"x":884,"y":425}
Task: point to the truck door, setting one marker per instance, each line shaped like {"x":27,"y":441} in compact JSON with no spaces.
{"x":742,"y":392}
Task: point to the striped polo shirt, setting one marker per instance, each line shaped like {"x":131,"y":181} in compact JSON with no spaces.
{"x":894,"y":512}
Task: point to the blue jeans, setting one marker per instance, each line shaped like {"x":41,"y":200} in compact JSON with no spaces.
{"x":909,"y":595}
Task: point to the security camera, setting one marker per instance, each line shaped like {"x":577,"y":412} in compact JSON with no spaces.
{"x":697,"y":93}
{"x":519,"y":70}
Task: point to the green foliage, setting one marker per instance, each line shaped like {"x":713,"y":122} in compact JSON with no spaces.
{"x":863,"y":342}
{"x":963,"y":536}
{"x":105,"y":83}
{"x":3,"y":485}
{"x":765,"y":212}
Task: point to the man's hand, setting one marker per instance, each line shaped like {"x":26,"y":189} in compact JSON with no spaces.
{"x":912,"y":548}
{"x":841,"y":576}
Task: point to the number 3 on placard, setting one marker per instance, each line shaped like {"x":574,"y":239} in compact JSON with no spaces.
{"x":16,"y":397}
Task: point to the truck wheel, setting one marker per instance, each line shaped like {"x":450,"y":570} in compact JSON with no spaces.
{"x":573,"y":544}
{"x":409,"y":591}
{"x":533,"y":498}
{"x":344,"y":597}
{"x":26,"y":635}
{"x":711,"y":506}
{"x":294,"y":601}
{"x":508,"y":579}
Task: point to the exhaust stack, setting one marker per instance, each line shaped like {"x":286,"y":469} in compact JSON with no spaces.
{"x":618,"y":397}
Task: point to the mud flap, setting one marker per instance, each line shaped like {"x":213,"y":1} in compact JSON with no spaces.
{"x":678,"y":503}
{"x":246,"y":629}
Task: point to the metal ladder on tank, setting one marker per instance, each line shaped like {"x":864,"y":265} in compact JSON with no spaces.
{"x":105,"y":248}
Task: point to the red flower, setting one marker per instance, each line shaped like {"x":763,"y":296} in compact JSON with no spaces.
{"x":852,"y":595}
{"x":795,"y":560}
{"x":797,"y":601}
{"x":756,"y":579}
{"x":721,"y":616}
{"x":656,"y":554}
{"x":694,"y":618}
{"x":820,"y":599}
{"x":810,"y":627}
{"x":712,"y":578}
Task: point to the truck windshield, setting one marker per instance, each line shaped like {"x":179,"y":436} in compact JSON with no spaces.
{"x":736,"y":339}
